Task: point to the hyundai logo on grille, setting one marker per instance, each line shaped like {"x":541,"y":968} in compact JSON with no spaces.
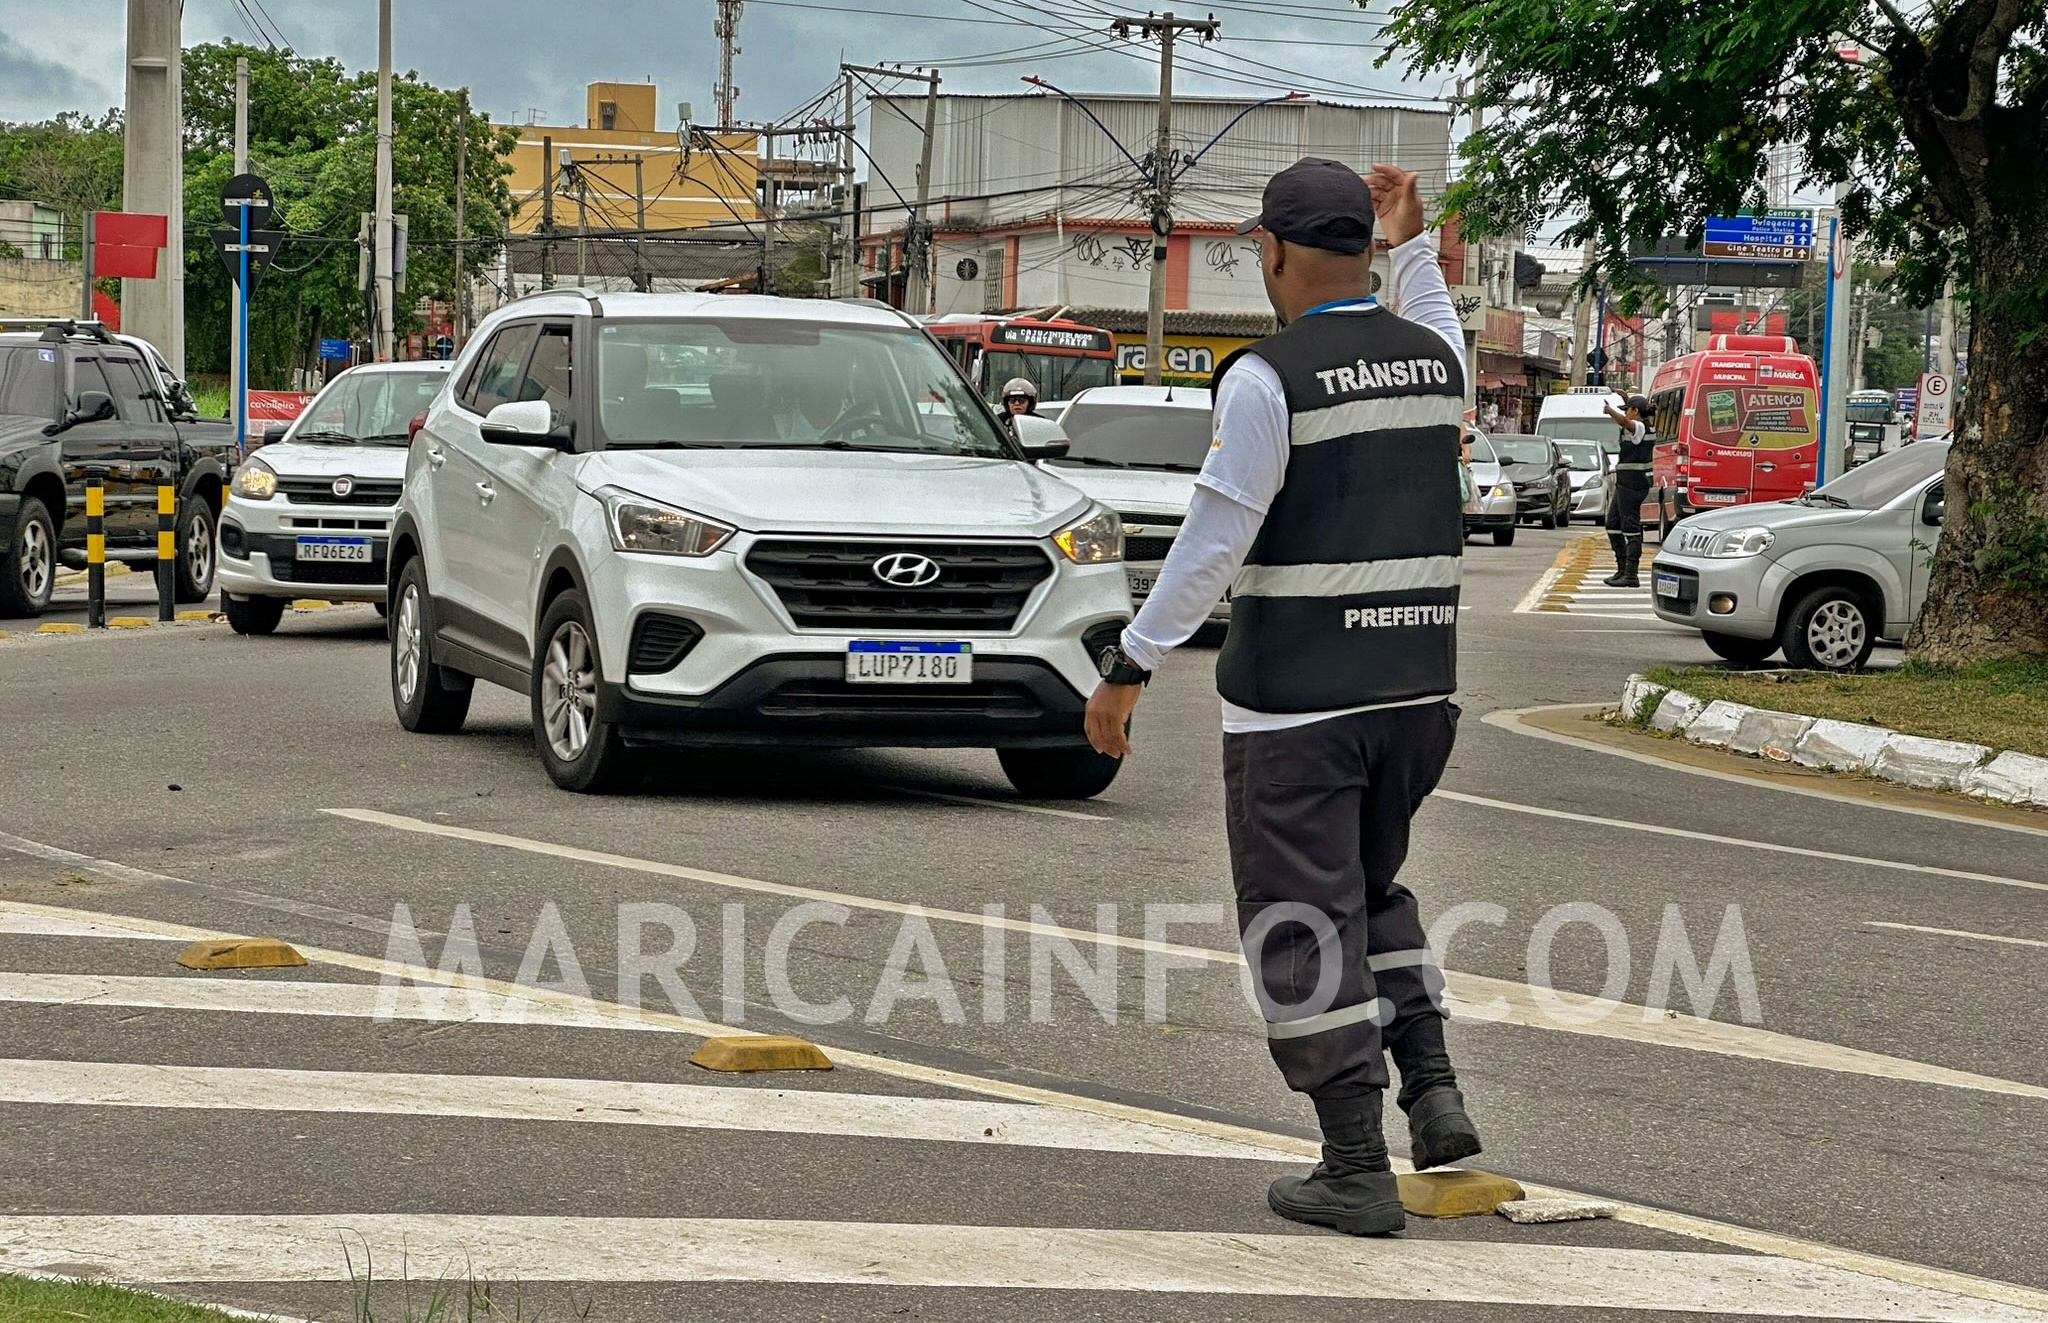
{"x":907,"y":569}
{"x":343,"y":485}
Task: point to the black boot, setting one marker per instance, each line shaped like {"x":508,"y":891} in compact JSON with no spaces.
{"x":1439,"y":1131}
{"x":1633,"y":562}
{"x":1353,"y":1188}
{"x":1620,"y":545}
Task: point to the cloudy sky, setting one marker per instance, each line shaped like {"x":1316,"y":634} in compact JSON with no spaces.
{"x":526,"y":58}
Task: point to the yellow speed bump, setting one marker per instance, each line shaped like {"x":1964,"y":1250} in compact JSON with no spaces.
{"x":765,"y":1052}
{"x":240,"y":953}
{"x":1456,"y":1193}
{"x":61,"y":627}
{"x":130,"y":622}
{"x":198,"y":615}
{"x":310,"y":604}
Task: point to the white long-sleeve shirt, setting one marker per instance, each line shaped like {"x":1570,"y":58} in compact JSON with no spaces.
{"x":1246,"y":466}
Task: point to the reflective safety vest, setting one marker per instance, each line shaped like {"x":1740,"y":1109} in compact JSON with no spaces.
{"x":1349,"y":597}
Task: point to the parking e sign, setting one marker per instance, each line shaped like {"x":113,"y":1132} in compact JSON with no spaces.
{"x":1937,"y":407}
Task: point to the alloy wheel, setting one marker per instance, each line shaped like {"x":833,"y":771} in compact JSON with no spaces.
{"x":568,"y":698}
{"x":199,"y":549}
{"x":36,"y":561}
{"x":1835,"y":634}
{"x":408,"y":645}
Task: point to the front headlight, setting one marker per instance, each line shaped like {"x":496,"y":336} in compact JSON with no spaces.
{"x":1503,"y":489}
{"x":1739,"y":542}
{"x":639,"y":524}
{"x":1097,"y":539}
{"x":255,"y":481}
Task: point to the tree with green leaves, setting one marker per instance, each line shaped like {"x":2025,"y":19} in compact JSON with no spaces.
{"x":312,"y":136}
{"x":72,"y":163}
{"x":1643,"y":119}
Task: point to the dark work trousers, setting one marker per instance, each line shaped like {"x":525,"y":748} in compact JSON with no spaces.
{"x":1625,"y":510}
{"x":1318,"y":818}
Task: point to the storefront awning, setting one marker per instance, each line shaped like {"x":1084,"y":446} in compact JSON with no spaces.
{"x":1503,"y":380}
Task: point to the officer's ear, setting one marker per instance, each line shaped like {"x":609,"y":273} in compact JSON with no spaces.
{"x":1273,"y":254}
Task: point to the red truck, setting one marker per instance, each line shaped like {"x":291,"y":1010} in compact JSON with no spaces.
{"x":1735,"y":423}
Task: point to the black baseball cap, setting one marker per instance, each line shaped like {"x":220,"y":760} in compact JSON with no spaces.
{"x":1317,"y":204}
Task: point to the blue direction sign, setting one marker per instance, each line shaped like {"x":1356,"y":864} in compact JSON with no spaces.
{"x":333,"y":348}
{"x":1785,"y":236}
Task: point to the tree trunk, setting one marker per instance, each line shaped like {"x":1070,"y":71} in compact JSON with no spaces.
{"x":1988,"y":597}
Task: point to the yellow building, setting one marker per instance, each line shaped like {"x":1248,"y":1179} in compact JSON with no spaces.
{"x":712,"y":182}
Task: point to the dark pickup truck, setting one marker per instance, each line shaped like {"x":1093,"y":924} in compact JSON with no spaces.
{"x":73,"y":397}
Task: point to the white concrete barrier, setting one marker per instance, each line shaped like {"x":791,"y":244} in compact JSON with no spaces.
{"x":1762,"y":729}
{"x":1676,"y":711}
{"x":2012,"y":778}
{"x":1927,"y":764}
{"x":1842,"y":745}
{"x":1717,"y":723}
{"x":1638,"y":692}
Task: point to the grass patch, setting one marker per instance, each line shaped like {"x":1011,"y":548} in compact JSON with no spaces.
{"x":2000,"y":704}
{"x":28,"y":1300}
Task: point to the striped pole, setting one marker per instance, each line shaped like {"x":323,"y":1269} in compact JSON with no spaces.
{"x":166,"y":551}
{"x":96,"y":548}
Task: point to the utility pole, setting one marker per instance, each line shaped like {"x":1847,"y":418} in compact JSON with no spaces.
{"x":1582,"y":321}
{"x":1165,"y":27}
{"x":1946,"y":364}
{"x":848,"y":285}
{"x":236,"y":397}
{"x":153,"y":171}
{"x":582,"y":221}
{"x":381,"y":224}
{"x":547,"y":212}
{"x":643,"y":280}
{"x":764,"y":278}
{"x":461,"y":234}
{"x":1836,"y":337}
{"x":917,"y":264}
{"x":1862,"y":350}
{"x":726,"y":27}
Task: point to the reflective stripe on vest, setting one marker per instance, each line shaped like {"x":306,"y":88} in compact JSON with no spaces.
{"x":1371,"y":576}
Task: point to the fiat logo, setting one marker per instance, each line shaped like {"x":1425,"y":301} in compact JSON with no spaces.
{"x":344,"y":485}
{"x":906,"y":569}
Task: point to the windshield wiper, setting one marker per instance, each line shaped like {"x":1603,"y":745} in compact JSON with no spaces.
{"x":1828,"y":498}
{"x":326,"y":434}
{"x":1092,"y":461}
{"x":1167,"y":466}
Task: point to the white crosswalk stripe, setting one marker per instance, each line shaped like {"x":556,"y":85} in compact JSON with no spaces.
{"x":1573,"y":585}
{"x":935,"y":1135}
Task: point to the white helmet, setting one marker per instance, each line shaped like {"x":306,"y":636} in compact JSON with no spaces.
{"x":1019,"y":386}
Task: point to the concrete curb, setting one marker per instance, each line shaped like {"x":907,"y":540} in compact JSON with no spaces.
{"x":1910,"y":760}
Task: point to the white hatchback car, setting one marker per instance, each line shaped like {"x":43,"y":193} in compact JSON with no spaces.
{"x":731,"y":520}
{"x":309,"y":514}
{"x":1138,"y":449}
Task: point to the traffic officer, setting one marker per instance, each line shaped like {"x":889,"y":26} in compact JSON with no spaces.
{"x":1329,"y":508}
{"x":1631,"y":489}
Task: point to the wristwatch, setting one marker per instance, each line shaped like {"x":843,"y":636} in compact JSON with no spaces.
{"x":1117,"y":668}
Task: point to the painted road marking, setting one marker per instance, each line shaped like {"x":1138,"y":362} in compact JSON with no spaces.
{"x":1573,"y":585}
{"x":978,"y":802}
{"x":614,"y":1102}
{"x":1681,"y":833}
{"x":1513,"y":719}
{"x":363,"y":1001}
{"x":31,"y":924}
{"x":1472,"y":996}
{"x":258,"y":1248}
{"x":1659,"y":1219}
{"x":1955,"y":932}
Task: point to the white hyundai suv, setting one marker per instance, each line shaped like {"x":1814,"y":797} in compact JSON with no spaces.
{"x":701,"y":520}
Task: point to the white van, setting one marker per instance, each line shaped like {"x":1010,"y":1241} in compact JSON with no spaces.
{"x":1580,"y":414}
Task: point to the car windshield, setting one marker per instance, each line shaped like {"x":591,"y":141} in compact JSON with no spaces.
{"x":1583,"y":456}
{"x":1057,"y":376}
{"x":1582,"y":429}
{"x":1482,"y":449}
{"x":1884,"y":479}
{"x":373,"y":408}
{"x":1138,"y":436}
{"x":1521,"y":450}
{"x":768,"y":383}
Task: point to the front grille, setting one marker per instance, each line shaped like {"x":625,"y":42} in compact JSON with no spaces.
{"x":836,"y":698}
{"x":326,"y":571}
{"x":832,"y":584}
{"x":1136,"y":520}
{"x":320,"y":491}
{"x":659,"y":642}
{"x":1146,"y":548}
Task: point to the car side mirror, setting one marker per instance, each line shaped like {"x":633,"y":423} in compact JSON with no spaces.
{"x":1040,"y":438}
{"x":522,"y":423}
{"x":273,"y":434}
{"x":93,"y":406}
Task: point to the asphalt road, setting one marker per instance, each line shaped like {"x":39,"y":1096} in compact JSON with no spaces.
{"x":1012,"y":1136}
